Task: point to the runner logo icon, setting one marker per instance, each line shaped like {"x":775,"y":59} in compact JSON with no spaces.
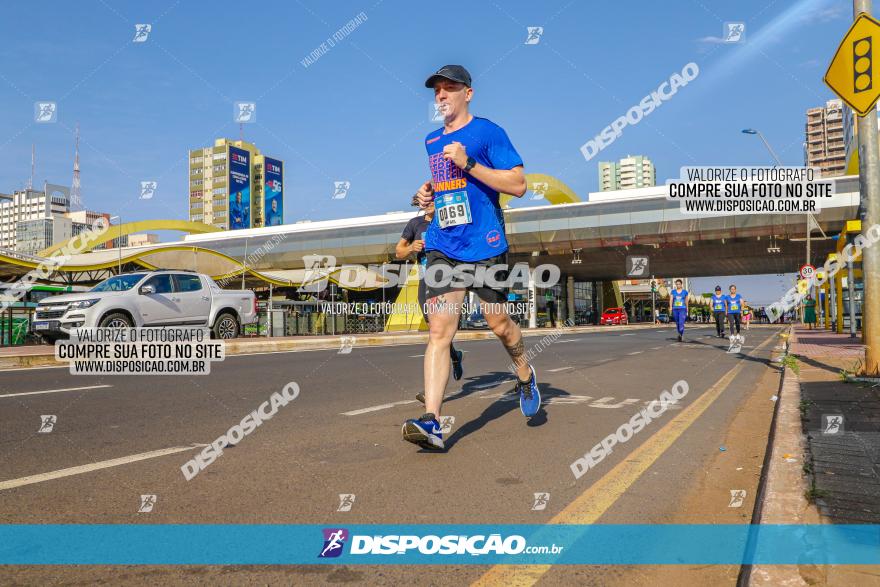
{"x":737,"y":497}
{"x":148,"y":502}
{"x":736,"y":343}
{"x":346,"y":501}
{"x":47,"y":423}
{"x":636,"y":266}
{"x":334,"y":540}
{"x":446,"y":423}
{"x":541,"y":500}
{"x":832,"y":424}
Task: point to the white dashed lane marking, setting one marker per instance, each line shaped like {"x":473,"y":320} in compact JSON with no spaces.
{"x":377,"y":408}
{"x":55,"y":390}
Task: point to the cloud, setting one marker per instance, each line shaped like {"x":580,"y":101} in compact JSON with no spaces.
{"x":823,"y":14}
{"x":782,"y":27}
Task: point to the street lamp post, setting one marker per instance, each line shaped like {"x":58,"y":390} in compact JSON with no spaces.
{"x":811,"y":220}
{"x":752,"y":131}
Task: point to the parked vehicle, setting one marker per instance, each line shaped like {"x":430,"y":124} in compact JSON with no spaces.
{"x":475,"y":321}
{"x":148,"y":298}
{"x":663,"y":317}
{"x":614,"y":316}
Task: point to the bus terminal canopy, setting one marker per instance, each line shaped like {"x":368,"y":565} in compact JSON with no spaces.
{"x":586,"y":240}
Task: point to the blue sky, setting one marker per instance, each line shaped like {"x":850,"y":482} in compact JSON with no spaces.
{"x":359,"y":113}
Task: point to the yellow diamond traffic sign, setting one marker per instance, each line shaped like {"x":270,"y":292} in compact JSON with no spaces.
{"x":852,"y":74}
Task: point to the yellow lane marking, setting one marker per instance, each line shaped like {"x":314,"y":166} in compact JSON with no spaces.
{"x":599,"y":497}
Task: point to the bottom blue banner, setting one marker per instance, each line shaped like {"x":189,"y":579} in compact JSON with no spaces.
{"x":160,"y":544}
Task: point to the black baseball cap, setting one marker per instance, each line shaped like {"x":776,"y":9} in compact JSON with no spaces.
{"x":717,"y":288}
{"x":456,"y":73}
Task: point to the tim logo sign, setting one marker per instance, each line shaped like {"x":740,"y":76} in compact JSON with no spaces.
{"x":334,"y":540}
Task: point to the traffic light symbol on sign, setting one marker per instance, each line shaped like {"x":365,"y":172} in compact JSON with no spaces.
{"x":851,"y":73}
{"x":862,"y":65}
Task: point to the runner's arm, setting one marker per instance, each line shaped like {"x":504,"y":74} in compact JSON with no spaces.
{"x":504,"y":181}
{"x":403,"y":249}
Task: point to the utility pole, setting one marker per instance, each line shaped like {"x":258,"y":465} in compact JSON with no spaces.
{"x":869,"y":175}
{"x":851,"y":291}
{"x":119,"y":246}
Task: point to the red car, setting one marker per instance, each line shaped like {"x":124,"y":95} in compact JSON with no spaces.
{"x":613,"y":316}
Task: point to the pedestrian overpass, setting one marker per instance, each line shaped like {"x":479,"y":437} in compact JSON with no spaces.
{"x":589,"y":241}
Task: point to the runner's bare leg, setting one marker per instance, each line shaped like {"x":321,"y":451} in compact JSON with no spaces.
{"x":510,"y":335}
{"x":444,"y":312}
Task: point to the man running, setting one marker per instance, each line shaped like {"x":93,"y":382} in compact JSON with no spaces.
{"x":412,"y":240}
{"x":678,"y":302}
{"x":719,"y":310}
{"x":471,"y":160}
{"x":735,"y":305}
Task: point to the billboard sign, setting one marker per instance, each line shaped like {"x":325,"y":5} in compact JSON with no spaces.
{"x":239,"y":162}
{"x":273,"y":192}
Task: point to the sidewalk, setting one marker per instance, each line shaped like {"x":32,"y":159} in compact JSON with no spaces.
{"x":17,"y":357}
{"x":845,"y":459}
{"x":814,"y":478}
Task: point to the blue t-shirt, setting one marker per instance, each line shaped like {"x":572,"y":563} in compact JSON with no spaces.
{"x":679,"y":299}
{"x":718,"y":303}
{"x":734,"y":304}
{"x":483,"y":237}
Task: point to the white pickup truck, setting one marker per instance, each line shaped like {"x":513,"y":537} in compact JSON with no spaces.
{"x":148,"y":298}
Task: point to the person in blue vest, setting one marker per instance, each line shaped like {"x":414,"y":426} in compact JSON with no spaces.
{"x":735,"y":303}
{"x":719,"y":310}
{"x":678,"y":303}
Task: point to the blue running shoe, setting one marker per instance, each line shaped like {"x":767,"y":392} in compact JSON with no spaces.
{"x":425,"y":432}
{"x":457,"y":370}
{"x":529,"y":395}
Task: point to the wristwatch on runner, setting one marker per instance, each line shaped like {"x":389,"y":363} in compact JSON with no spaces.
{"x":470,"y":164}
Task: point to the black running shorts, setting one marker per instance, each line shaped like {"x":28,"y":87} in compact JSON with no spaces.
{"x":491,"y":295}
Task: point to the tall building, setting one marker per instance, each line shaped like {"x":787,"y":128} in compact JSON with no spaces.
{"x":85,"y":220}
{"x":829,"y":130}
{"x":32,"y":220}
{"x":32,"y":236}
{"x":233,"y":186}
{"x":30,"y":204}
{"x":633,"y":171}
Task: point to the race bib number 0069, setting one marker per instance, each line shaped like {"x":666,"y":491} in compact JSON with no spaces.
{"x":453,"y":210}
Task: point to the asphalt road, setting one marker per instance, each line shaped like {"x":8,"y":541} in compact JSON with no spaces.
{"x":342,"y":436}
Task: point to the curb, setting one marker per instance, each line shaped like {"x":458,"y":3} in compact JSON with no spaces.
{"x":316,"y":343}
{"x":782,"y":499}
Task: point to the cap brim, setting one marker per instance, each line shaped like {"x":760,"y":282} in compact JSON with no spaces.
{"x":429,"y":83}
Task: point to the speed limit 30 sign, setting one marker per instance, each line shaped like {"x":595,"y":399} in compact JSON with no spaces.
{"x":807,"y":271}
